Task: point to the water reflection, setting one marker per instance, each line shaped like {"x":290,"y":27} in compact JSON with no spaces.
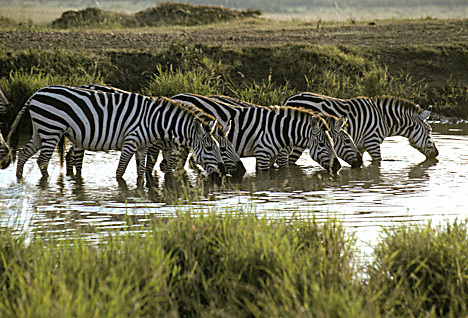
{"x":403,"y":188}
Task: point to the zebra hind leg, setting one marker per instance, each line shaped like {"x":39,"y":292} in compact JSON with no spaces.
{"x":151,"y":157}
{"x":27,"y":152}
{"x":48,"y":146}
{"x":140,"y":156}
{"x":69,"y":162}
{"x":78,"y":156}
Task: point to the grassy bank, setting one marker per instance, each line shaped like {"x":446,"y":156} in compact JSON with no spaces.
{"x":264,"y":75}
{"x":236,"y":266}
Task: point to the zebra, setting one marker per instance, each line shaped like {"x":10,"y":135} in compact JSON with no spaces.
{"x":231,"y":159}
{"x":343,"y":142}
{"x":263,"y":132}
{"x":371,"y":120}
{"x":74,"y":157}
{"x":95,"y":120}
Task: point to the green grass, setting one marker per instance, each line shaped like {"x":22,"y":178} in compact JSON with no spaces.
{"x":263,"y":75}
{"x":422,"y":271}
{"x":235,"y":265}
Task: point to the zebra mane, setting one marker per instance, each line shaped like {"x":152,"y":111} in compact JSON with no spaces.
{"x":194,"y":111}
{"x":392,"y":101}
{"x":292,"y":109}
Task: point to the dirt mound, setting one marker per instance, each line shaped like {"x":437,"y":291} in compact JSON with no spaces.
{"x":90,"y":17}
{"x":189,"y":14}
{"x":163,"y":14}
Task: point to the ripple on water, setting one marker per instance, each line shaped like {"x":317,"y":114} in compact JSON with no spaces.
{"x":404,"y":188}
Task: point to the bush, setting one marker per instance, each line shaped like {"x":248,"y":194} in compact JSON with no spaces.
{"x":19,"y":86}
{"x":422,"y":271}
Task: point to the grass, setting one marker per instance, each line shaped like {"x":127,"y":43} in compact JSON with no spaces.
{"x":235,"y":265}
{"x":263,"y":75}
{"x":166,"y":13}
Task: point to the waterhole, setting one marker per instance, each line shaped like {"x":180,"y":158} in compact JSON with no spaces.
{"x":403,"y":188}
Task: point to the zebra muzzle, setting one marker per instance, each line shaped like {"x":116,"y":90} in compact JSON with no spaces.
{"x":222,"y":168}
{"x":335,"y":166}
{"x":357,"y":163}
{"x":238,"y":171}
{"x":433,"y":154}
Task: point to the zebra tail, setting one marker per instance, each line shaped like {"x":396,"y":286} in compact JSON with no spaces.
{"x":60,"y":150}
{"x":17,"y":121}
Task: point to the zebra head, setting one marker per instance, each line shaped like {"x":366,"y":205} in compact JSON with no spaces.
{"x":321,"y":146}
{"x":206,"y":149}
{"x":419,"y":134}
{"x":231,"y":159}
{"x":344,"y":144}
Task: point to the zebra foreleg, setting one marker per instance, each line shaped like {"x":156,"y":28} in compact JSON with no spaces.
{"x":264,"y":160}
{"x":374,"y":151}
{"x":69,"y":164}
{"x":140,"y":156}
{"x":128,"y":149}
{"x":295,"y":154}
{"x":283,"y":158}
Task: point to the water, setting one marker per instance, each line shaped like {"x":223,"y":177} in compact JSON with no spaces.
{"x":404,"y":188}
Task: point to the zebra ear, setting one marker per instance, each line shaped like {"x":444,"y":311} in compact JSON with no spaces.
{"x":341,"y":123}
{"x":227,"y":128}
{"x":199,"y":127}
{"x":425,"y":114}
{"x":212,"y":126}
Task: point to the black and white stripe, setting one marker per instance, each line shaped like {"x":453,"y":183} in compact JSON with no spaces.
{"x":94,"y":120}
{"x":343,"y":142}
{"x":263,"y":132}
{"x":169,"y":149}
{"x":371,"y":120}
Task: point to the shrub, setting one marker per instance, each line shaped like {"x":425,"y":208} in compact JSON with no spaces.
{"x":422,"y":271}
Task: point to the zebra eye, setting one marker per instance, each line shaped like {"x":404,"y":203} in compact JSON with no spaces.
{"x":321,"y":144}
{"x":222,"y":148}
{"x":209,"y":148}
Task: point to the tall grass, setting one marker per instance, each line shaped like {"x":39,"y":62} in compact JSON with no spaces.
{"x":235,"y":265}
{"x":20,"y":85}
{"x":422,"y":271}
{"x":260,"y":75}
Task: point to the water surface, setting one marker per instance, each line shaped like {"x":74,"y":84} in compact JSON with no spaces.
{"x":404,"y":188}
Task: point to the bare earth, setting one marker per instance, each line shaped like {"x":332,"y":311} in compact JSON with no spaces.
{"x":379,"y":34}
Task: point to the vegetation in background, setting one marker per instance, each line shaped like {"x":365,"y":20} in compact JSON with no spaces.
{"x":20,"y":85}
{"x":262,"y":75}
{"x":235,"y":265}
{"x":265,"y":5}
{"x":164,"y":14}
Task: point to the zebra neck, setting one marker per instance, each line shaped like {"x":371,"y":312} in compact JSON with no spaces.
{"x":396,"y":117}
{"x":174,"y":124}
{"x":298,"y":129}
